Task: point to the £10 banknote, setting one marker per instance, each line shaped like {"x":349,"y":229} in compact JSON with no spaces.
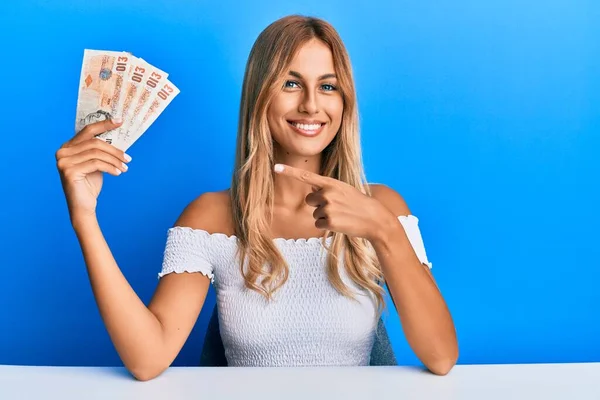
{"x":119,"y":86}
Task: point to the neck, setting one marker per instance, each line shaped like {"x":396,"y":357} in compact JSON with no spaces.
{"x":289,"y":193}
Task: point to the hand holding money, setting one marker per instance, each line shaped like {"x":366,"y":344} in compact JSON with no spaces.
{"x":81,"y":162}
{"x":122,"y":87}
{"x":120,"y":96}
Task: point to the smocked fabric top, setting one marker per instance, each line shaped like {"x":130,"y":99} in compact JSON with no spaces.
{"x":307,"y":323}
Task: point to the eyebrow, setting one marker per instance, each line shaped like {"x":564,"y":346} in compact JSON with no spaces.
{"x":326,"y":76}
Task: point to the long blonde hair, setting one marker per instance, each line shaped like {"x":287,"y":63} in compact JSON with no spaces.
{"x":252,"y":181}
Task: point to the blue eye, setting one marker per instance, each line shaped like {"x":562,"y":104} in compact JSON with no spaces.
{"x":326,"y":86}
{"x":287,"y":83}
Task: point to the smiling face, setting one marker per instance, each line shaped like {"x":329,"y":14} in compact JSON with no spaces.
{"x":306,"y":114}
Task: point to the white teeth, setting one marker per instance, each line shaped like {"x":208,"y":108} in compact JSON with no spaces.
{"x":304,"y":127}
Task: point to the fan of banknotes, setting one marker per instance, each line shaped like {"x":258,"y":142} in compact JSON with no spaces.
{"x":117,"y":85}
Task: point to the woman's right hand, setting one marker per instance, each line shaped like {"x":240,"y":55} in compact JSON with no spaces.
{"x":81,"y":162}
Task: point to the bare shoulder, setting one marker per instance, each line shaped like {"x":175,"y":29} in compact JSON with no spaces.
{"x":390,"y":198}
{"x":211,"y":211}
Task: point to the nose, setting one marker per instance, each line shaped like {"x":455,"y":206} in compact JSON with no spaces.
{"x":309,"y":103}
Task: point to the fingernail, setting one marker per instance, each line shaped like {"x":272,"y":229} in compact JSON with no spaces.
{"x":278,"y":167}
{"x":125,"y":167}
{"x":117,"y":120}
{"x":127,"y":157}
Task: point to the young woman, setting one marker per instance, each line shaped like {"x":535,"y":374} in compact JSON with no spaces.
{"x":299,"y":248}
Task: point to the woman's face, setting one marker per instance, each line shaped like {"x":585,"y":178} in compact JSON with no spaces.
{"x":306,"y":114}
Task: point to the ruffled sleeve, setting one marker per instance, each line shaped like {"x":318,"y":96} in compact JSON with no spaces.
{"x":187,"y":250}
{"x":411,"y":227}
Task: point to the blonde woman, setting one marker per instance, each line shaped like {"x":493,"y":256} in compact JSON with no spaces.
{"x":299,"y":248}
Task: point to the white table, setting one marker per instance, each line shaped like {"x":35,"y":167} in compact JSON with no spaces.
{"x":477,"y":382}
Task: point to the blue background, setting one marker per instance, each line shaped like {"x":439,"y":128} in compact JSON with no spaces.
{"x":484,"y":115}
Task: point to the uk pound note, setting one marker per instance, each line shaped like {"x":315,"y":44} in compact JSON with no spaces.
{"x":118,"y":85}
{"x":138,"y":73}
{"x":151,"y":85}
{"x":100,"y":86}
{"x":162,"y":98}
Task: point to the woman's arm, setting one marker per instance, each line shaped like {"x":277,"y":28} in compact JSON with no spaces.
{"x":147,"y":339}
{"x":425,"y":318}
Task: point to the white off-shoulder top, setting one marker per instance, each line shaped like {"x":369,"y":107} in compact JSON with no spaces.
{"x":308,"y":323}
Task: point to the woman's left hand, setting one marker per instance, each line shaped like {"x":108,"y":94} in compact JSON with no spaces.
{"x":339,"y":206}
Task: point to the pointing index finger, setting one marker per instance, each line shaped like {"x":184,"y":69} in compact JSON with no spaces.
{"x":303,"y":176}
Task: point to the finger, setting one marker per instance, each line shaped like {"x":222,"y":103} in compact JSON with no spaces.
{"x":78,"y":171}
{"x":316,"y":180}
{"x":92,"y":144}
{"x":315,"y":198}
{"x":94,"y":129}
{"x":320,"y":212}
{"x":322,"y":223}
{"x":96,"y":154}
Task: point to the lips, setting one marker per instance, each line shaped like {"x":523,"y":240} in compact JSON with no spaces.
{"x":307,"y":129}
